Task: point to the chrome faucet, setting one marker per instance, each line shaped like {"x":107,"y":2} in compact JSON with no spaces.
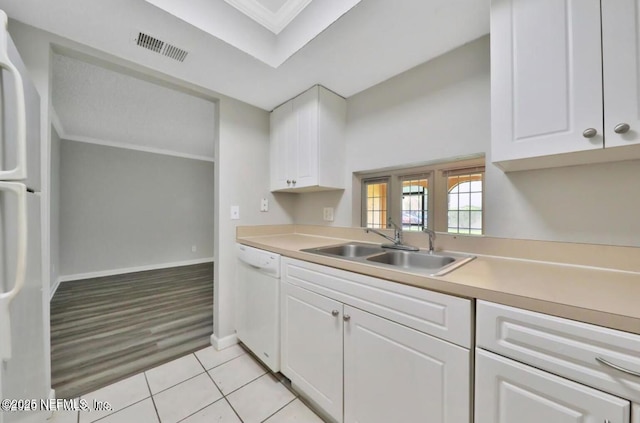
{"x":396,"y":240}
{"x":432,"y":237}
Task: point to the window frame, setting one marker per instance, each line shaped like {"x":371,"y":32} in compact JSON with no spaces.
{"x":463,"y":172}
{"x":363,"y":205}
{"x":437,"y":202}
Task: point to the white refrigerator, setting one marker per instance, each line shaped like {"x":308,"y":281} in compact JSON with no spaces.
{"x":24,"y":361}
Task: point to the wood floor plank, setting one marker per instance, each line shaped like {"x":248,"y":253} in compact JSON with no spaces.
{"x":106,"y":329}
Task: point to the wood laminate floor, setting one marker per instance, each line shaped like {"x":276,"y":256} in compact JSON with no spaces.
{"x":106,"y":329}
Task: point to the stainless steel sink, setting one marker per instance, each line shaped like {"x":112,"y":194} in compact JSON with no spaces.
{"x":349,"y":250}
{"x":412,"y":259}
{"x":423,"y":262}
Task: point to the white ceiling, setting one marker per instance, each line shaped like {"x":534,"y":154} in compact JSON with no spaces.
{"x":370,"y":43}
{"x":238,"y":28}
{"x":99,"y":105}
{"x":274,"y":15}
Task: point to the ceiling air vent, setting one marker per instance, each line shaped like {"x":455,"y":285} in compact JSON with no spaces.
{"x":159,"y":46}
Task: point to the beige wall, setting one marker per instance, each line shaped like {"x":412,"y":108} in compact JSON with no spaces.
{"x":441,"y":109}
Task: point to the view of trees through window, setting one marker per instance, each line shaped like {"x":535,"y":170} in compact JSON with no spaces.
{"x":465,"y":204}
{"x":415,"y":203}
{"x":445,"y":197}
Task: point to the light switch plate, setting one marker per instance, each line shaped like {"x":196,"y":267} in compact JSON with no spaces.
{"x":235,"y":212}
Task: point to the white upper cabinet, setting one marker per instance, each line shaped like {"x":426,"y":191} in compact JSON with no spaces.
{"x":307,"y":142}
{"x":620,"y":49}
{"x":558,"y":67}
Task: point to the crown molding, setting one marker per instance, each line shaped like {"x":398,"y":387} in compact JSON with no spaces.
{"x":274,"y":22}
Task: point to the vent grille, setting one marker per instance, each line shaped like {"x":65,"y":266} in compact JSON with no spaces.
{"x":158,"y":46}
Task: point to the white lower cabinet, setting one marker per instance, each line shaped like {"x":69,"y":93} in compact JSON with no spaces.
{"x":507,"y":391}
{"x":390,"y":372}
{"x":312,"y":346}
{"x":533,"y":367}
{"x":396,"y":374}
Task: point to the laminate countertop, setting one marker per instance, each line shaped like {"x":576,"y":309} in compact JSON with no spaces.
{"x":605,"y":297}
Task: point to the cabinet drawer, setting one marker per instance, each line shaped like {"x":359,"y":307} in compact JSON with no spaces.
{"x":564,"y":347}
{"x":440,"y":315}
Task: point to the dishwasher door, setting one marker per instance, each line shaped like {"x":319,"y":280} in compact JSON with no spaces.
{"x":258,"y":303}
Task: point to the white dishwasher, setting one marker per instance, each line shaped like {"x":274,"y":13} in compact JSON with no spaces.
{"x":258,"y":303}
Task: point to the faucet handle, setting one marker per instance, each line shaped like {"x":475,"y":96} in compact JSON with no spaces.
{"x":391,"y":223}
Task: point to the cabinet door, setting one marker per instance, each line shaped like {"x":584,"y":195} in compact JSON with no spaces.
{"x":546,"y":77}
{"x":312,"y":330}
{"x":282,"y":135}
{"x":620,"y":47}
{"x":396,"y":374}
{"x":507,"y":392}
{"x":306,"y":158}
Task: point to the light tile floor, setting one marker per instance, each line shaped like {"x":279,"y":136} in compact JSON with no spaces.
{"x":207,"y":386}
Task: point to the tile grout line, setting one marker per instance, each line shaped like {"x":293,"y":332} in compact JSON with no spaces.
{"x":153,"y":401}
{"x":214,"y":367}
{"x":115,"y":412}
{"x":224,"y":397}
{"x":240,"y":387}
{"x":214,"y":384}
{"x":176,"y":384}
{"x":279,"y":409}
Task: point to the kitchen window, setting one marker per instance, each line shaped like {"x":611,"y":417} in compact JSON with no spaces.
{"x":445,"y":197}
{"x":376,"y":193}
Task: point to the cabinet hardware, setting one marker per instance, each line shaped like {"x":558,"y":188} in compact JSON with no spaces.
{"x":335,"y":312}
{"x":288,"y":181}
{"x":293,"y":182}
{"x":615,"y":366}
{"x":346,"y":317}
{"x":589,"y":133}
{"x":621,"y":128}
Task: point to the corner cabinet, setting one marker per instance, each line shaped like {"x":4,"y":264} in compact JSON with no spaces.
{"x":565,"y":82}
{"x":363,"y":349}
{"x":307,"y":151}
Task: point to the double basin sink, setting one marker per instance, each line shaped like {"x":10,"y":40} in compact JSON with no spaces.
{"x":423,"y":262}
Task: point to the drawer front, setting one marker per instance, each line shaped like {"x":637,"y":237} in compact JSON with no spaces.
{"x":440,"y":315}
{"x":564,"y":347}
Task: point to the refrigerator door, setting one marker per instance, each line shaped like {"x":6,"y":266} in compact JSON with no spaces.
{"x":14,"y":134}
{"x":13,"y":215}
{"x":25,"y":374}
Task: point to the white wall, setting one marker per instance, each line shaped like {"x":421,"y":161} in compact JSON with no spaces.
{"x":122,"y":209}
{"x":440,"y":110}
{"x":437,"y":110}
{"x":55,"y":208}
{"x":242,"y":173}
{"x":241,"y":169}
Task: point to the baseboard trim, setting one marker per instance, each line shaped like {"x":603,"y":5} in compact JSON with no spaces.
{"x":113,"y":272}
{"x":53,"y":289}
{"x":224,"y":342}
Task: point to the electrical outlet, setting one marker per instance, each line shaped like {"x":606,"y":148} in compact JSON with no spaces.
{"x":264,"y":205}
{"x":327,"y":214}
{"x":235,"y":212}
{"x":194,"y":248}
